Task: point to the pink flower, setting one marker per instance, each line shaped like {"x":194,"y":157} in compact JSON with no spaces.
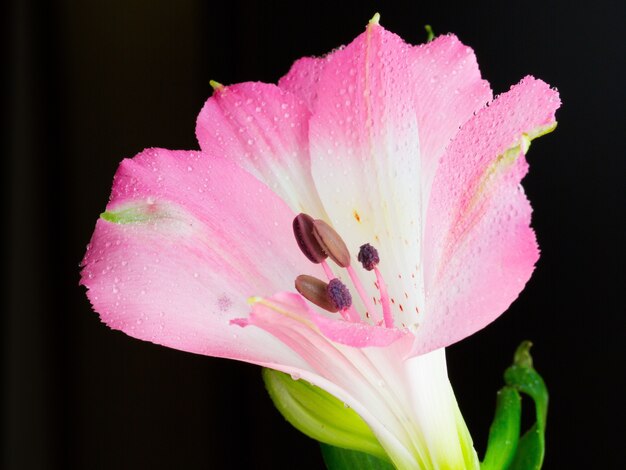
{"x":398,"y":146}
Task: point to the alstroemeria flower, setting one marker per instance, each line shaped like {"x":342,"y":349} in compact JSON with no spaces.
{"x":392,"y":145}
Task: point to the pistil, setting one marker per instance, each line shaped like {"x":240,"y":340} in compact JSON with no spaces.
{"x":384,"y":298}
{"x":373,"y":313}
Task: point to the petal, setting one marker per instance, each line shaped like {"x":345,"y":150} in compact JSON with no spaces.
{"x":357,"y":335}
{"x":265,"y":131}
{"x":444,"y":436}
{"x":480,"y":250}
{"x":345,"y":372}
{"x":186,"y":239}
{"x":448,"y":89}
{"x":303,"y":78}
{"x":375,"y":143}
{"x":366,"y":153}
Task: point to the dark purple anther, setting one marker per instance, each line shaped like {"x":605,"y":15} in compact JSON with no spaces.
{"x":368,"y":256}
{"x":339,"y":294}
{"x":303,"y":228}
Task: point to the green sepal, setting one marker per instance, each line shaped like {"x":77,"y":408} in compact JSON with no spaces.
{"x":504,"y":431}
{"x":522,"y":375}
{"x":337,"y":458}
{"x":505,"y":450}
{"x":320,"y":415}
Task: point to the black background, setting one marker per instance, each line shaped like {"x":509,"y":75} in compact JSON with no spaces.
{"x":92,"y":82}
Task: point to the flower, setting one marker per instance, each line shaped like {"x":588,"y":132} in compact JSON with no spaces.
{"x":396,"y":149}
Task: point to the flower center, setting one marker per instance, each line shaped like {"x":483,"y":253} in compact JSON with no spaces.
{"x":317,"y":241}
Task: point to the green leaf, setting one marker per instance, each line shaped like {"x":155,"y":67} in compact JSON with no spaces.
{"x":505,"y":450}
{"x":336,"y":458}
{"x":320,"y":415}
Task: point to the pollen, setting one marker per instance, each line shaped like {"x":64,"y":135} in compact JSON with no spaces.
{"x":339,"y":294}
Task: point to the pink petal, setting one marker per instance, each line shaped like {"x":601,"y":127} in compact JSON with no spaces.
{"x":303,"y":78}
{"x":376,"y":142}
{"x":448,"y":90}
{"x":194,"y":238}
{"x":365,"y":156}
{"x":265,"y":131}
{"x":358,"y":335}
{"x":480,"y":250}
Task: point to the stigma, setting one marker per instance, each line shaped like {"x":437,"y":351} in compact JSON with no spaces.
{"x":368,"y":257}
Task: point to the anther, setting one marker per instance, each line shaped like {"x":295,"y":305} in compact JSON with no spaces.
{"x":331,"y":243}
{"x":368,"y":256}
{"x":303,"y":230}
{"x":316,"y":291}
{"x":339,"y":294}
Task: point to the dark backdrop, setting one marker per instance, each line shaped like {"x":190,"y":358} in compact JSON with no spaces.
{"x":92,"y":82}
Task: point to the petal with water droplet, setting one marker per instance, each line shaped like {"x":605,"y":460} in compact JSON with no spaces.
{"x":173,"y":266}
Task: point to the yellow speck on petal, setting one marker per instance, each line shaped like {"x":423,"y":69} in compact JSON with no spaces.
{"x":357,"y":216}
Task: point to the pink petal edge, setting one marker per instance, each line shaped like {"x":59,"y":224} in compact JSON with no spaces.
{"x":480,"y":250}
{"x":180,"y":273}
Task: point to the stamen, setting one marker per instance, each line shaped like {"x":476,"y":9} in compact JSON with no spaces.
{"x":333,"y":297}
{"x":384,"y":299}
{"x":339,"y":294}
{"x":366,"y":299}
{"x":316,"y":291}
{"x":303,"y":230}
{"x":331,"y":243}
{"x":329,"y":272}
{"x":368,"y":256}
